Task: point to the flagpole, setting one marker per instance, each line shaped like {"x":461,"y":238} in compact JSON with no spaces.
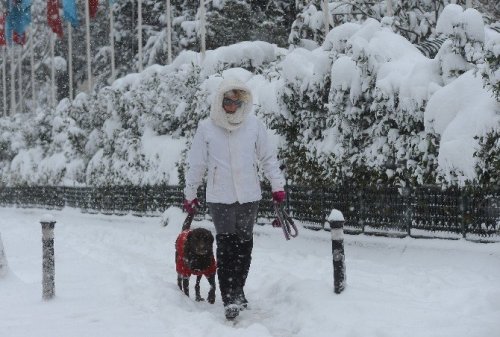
{"x":202,"y":29}
{"x":139,"y":32}
{"x":12,"y":83}
{"x":20,"y":79}
{"x":70,"y":60}
{"x":52,"y":71}
{"x":87,"y":29}
{"x":4,"y":81}
{"x":32,"y":62}
{"x":169,"y":32}
{"x":326,"y":14}
{"x":390,"y":11}
{"x":112,"y":41}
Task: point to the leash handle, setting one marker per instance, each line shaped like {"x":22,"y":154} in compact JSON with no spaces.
{"x":286,"y":222}
{"x":189,"y":219}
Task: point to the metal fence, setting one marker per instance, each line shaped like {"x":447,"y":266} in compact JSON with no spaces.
{"x":429,"y":211}
{"x":472,"y":213}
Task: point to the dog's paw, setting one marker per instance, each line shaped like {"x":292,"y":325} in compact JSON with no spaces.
{"x":199,"y":299}
{"x":211,"y":298}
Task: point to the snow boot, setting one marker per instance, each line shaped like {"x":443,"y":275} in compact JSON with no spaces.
{"x":244,"y":260}
{"x":227,"y":253}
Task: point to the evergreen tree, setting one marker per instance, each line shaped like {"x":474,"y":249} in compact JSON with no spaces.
{"x":337,"y":122}
{"x":464,"y":48}
{"x":488,"y":165}
{"x":413,"y":19}
{"x":490,"y":68}
{"x":302,"y":126}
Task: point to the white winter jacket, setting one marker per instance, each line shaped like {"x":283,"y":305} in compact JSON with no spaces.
{"x":231,"y":154}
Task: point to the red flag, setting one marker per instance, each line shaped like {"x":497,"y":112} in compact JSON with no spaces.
{"x":53,"y":18}
{"x":93,"y":4}
{"x":2,"y":30}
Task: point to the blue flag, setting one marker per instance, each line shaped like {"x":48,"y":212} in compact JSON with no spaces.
{"x":18,"y":18}
{"x":70,"y":13}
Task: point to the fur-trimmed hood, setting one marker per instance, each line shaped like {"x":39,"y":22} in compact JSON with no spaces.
{"x":217,"y":113}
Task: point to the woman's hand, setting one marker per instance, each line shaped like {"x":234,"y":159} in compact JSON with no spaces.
{"x":279,"y":196}
{"x":190,"y":205}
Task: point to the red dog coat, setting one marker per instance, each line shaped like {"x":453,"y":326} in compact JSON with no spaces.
{"x":180,"y":264}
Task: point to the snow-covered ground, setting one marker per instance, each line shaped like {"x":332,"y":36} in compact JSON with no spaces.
{"x":115,"y":277}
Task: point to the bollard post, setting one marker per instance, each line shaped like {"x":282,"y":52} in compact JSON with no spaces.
{"x":336,"y":220}
{"x":3,"y":259}
{"x":48,"y":280}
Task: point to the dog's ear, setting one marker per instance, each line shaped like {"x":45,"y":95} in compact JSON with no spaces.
{"x":209,"y":238}
{"x":207,"y":235}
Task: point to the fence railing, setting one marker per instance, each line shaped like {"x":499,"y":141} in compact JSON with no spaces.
{"x":430,"y":211}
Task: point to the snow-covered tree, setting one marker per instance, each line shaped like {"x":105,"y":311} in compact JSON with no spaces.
{"x":365,"y":127}
{"x":491,"y":67}
{"x":350,"y":110}
{"x":488,"y":165}
{"x":413,"y":19}
{"x":464,"y":48}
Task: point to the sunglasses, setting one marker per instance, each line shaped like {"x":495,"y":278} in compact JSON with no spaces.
{"x":228,"y":101}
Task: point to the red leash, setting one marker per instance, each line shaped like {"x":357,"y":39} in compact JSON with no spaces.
{"x":189,"y":219}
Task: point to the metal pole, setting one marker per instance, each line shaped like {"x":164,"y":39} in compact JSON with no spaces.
{"x":336,"y":220}
{"x":52,"y":72}
{"x":390,"y":11}
{"x":169,"y":33}
{"x":20,"y":77}
{"x":48,"y":279}
{"x":326,"y":15}
{"x":87,"y":38}
{"x":112,"y":42}
{"x":202,"y":29}
{"x":139,"y":33}
{"x":12,"y":83}
{"x":4,"y":80}
{"x":32,"y":62}
{"x":70,"y":61}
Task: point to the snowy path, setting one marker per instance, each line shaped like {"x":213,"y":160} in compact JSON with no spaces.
{"x":115,"y":277}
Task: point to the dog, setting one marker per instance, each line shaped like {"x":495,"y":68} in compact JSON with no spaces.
{"x":194,"y":256}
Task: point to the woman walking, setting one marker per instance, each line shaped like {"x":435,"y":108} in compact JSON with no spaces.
{"x":231,"y":144}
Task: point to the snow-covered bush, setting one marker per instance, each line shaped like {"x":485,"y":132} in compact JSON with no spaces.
{"x":491,"y":67}
{"x":464,"y":48}
{"x":413,"y":19}
{"x":488,"y":155}
{"x":131,"y":133}
{"x":130,"y":119}
{"x":355,"y":109}
{"x":488,"y":165}
{"x":302,"y":99}
{"x":365,"y":107}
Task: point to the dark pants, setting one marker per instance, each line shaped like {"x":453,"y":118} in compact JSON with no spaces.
{"x":234,"y":227}
{"x":234,"y":218}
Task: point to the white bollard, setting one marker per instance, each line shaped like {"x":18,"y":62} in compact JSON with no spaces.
{"x":48,"y":280}
{"x":3,"y":259}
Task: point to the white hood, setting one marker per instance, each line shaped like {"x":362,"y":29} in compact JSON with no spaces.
{"x":219,"y":116}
